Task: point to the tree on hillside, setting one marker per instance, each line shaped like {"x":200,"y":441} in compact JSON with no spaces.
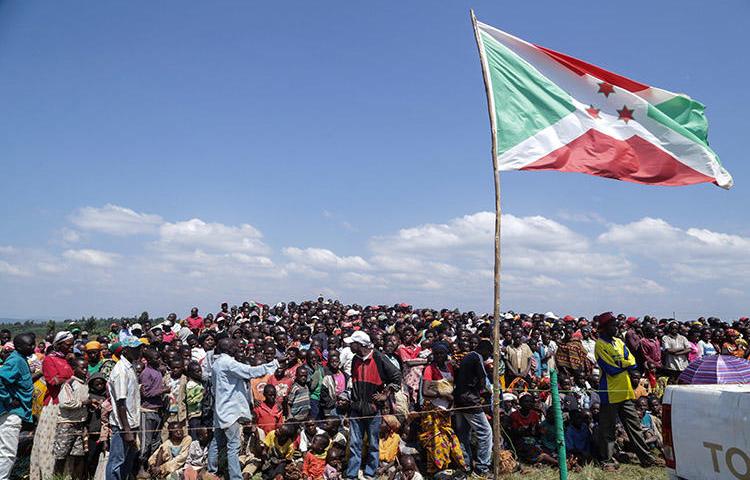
{"x":50,"y":326}
{"x":143,"y":318}
{"x":89,"y":325}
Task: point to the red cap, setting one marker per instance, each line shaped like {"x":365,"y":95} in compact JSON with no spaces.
{"x":568,"y":318}
{"x":631,"y":320}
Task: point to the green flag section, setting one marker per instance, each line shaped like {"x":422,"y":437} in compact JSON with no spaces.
{"x":551,"y":111}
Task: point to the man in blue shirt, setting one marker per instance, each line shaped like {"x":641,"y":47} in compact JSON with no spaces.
{"x":232,"y":403}
{"x":16,"y":391}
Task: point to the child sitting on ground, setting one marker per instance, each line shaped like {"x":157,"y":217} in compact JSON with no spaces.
{"x":315,"y":459}
{"x":197,"y":454}
{"x":389,"y":443}
{"x":407,"y":469}
{"x":334,"y":463}
{"x":332,"y":426}
{"x":578,"y":437}
{"x":278,"y":450}
{"x":525,"y":433}
{"x":168,"y":461}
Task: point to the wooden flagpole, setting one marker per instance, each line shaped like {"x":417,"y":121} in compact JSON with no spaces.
{"x":496,"y":427}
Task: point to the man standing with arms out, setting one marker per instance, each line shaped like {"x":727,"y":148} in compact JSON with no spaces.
{"x":230,"y":379}
{"x":125,"y":419}
{"x":16,"y":390}
{"x":617,"y":364}
{"x":471,"y":386}
{"x":372,"y":378}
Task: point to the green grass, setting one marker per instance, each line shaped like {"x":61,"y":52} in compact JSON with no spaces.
{"x":625,"y":472}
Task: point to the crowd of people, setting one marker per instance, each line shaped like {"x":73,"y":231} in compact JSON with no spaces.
{"x":324,"y":390}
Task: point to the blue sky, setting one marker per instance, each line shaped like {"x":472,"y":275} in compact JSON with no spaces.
{"x":354,"y":129}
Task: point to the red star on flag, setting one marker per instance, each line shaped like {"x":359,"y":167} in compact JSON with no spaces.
{"x":593,"y":111}
{"x":625,"y":114}
{"x":606,"y":88}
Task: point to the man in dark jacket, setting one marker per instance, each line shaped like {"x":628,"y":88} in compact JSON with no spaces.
{"x":471,"y":386}
{"x":372,"y":379}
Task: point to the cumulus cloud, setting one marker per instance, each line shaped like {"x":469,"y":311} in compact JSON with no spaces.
{"x":115,"y":220}
{"x":196,"y":233}
{"x":10,"y":269}
{"x":646,"y":266}
{"x":689,"y":255}
{"x":325,"y":259}
{"x":88,"y":256}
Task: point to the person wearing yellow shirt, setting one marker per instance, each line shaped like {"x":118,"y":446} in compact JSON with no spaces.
{"x":617,"y":364}
{"x":279,"y":450}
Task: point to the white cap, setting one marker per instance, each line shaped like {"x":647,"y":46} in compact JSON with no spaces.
{"x":136,"y":326}
{"x":352,"y":313}
{"x":551,"y":315}
{"x":360,"y":337}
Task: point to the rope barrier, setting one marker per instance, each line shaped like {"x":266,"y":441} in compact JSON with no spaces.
{"x":411,"y":414}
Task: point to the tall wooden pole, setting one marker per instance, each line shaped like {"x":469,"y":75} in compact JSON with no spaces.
{"x":496,"y":428}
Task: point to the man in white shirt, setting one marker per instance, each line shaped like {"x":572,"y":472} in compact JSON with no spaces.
{"x":232,"y":403}
{"x":125,"y":393}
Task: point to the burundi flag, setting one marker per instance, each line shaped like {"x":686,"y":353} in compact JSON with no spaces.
{"x":551,"y":111}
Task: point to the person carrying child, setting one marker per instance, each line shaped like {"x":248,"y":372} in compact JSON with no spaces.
{"x":70,"y":432}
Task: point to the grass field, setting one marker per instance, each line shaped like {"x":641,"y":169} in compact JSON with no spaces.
{"x":626,"y":472}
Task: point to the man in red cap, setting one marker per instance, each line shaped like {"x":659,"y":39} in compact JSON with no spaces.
{"x":617,"y":364}
{"x":633,"y":339}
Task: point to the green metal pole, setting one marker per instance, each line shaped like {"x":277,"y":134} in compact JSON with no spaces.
{"x":559,"y":431}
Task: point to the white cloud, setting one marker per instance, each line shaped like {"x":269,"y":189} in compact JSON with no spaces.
{"x":116,"y":220}
{"x":325,"y":259}
{"x":10,"y":269}
{"x":646,"y":266}
{"x":688,"y":255}
{"x":92,"y":257}
{"x":196,"y":233}
{"x":68,"y":235}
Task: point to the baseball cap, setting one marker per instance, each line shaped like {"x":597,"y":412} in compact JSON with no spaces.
{"x":360,"y":337}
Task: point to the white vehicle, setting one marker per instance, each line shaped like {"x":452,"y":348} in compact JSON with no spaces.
{"x":706,"y":430}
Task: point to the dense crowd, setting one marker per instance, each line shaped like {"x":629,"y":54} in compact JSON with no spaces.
{"x":323,"y":390}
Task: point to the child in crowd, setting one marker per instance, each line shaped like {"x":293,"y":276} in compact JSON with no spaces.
{"x":71,"y":427}
{"x":315,"y":459}
{"x":334,"y":463}
{"x":389,"y":442}
{"x":176,"y":382}
{"x":525,"y":433}
{"x":332,"y":426}
{"x":578,"y":439}
{"x":251,"y":450}
{"x":309,"y":431}
{"x":97,"y":395}
{"x":408,"y":469}
{"x":168,"y":461}
{"x":197,"y":454}
{"x":298,"y":401}
{"x":194,"y":393}
{"x":279,"y":450}
{"x":268,"y":415}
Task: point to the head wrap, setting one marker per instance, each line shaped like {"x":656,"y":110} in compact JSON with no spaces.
{"x":62,"y":337}
{"x":93,"y":345}
{"x":604,"y":319}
